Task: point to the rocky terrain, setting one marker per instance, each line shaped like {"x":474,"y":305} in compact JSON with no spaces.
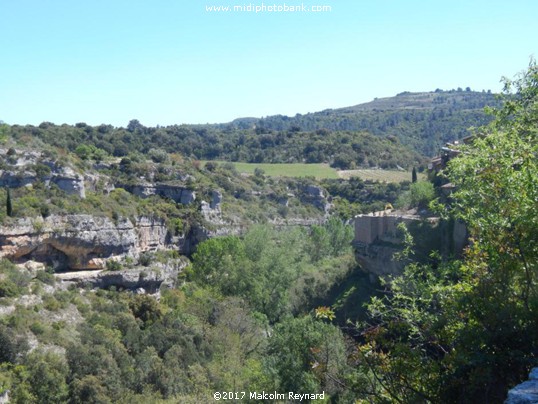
{"x":116,"y":247}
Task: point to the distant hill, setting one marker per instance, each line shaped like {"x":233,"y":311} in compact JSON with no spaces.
{"x":391,"y":133}
{"x":424,"y":121}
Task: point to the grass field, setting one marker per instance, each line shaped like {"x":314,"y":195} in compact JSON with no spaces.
{"x":380,"y":175}
{"x":319,"y":171}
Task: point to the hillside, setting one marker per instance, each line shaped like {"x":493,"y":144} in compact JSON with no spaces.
{"x":421,"y":120}
{"x":340,"y":149}
{"x":393,"y":132}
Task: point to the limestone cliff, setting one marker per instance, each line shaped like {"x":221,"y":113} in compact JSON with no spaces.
{"x":80,"y":241}
{"x":139,"y":279}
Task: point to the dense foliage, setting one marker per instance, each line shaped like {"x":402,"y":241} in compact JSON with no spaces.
{"x":342,"y":149}
{"x":424,"y":121}
{"x":466,"y":331}
{"x":226,"y":329}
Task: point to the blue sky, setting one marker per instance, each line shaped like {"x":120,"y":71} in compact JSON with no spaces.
{"x":170,"y":61}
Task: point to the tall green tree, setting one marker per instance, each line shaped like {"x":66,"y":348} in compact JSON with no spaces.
{"x":9,"y":206}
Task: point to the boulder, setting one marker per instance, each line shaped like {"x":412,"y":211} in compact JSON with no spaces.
{"x":526,"y":392}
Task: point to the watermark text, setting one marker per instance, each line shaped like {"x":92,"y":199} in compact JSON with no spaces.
{"x":268,"y":8}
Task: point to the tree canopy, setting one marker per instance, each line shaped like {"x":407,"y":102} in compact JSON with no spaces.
{"x":466,"y":331}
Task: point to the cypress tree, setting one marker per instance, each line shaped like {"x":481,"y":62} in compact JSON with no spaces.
{"x":414,"y":175}
{"x":9,"y":207}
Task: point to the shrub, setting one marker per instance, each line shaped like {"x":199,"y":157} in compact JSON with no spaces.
{"x":45,"y":277}
{"x":113,"y":265}
{"x":420,"y":194}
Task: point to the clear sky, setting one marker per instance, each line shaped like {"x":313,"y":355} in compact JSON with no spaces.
{"x":170,"y":61}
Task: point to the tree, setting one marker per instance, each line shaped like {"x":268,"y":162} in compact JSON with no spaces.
{"x":414,"y":175}
{"x":47,"y":377}
{"x":4,"y":132}
{"x":307,"y":355}
{"x":134,"y":124}
{"x":9,"y":207}
{"x":419,"y":195}
{"x":217,"y":262}
{"x":468,"y":331}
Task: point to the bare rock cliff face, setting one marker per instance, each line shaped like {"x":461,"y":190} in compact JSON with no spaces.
{"x":80,"y":241}
{"x":139,"y":279}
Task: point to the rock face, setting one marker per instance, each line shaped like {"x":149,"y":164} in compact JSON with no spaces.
{"x":382,"y":226}
{"x":22,"y":172}
{"x":65,"y":179}
{"x":216,"y":199}
{"x":13,"y":179}
{"x":315,"y":195}
{"x":526,"y":392}
{"x":70,"y":182}
{"x":80,"y":241}
{"x":377,"y":240}
{"x":177,"y":193}
{"x":143,"y":280}
{"x":378,"y":260}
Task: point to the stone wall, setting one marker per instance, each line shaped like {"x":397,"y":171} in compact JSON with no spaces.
{"x":382,"y":225}
{"x":378,"y":239}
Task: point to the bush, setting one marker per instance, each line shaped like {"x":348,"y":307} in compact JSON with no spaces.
{"x":14,"y":282}
{"x":37,"y":328}
{"x":8,"y":289}
{"x":145,"y":259}
{"x":46,"y":277}
{"x":113,"y":265}
{"x":420,"y":194}
{"x":158,"y":155}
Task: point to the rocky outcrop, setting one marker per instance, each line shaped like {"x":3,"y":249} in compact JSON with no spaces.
{"x":379,"y":260}
{"x":69,"y":181}
{"x":80,"y":241}
{"x":25,"y":168}
{"x":314,"y":195}
{"x":177,"y":193}
{"x":16,"y":179}
{"x":212,"y":212}
{"x":152,"y":234}
{"x":139,"y":279}
{"x":526,"y":392}
{"x":216,"y":199}
{"x":381,"y":226}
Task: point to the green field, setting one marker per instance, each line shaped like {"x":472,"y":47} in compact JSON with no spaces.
{"x":319,"y":171}
{"x":380,"y":175}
